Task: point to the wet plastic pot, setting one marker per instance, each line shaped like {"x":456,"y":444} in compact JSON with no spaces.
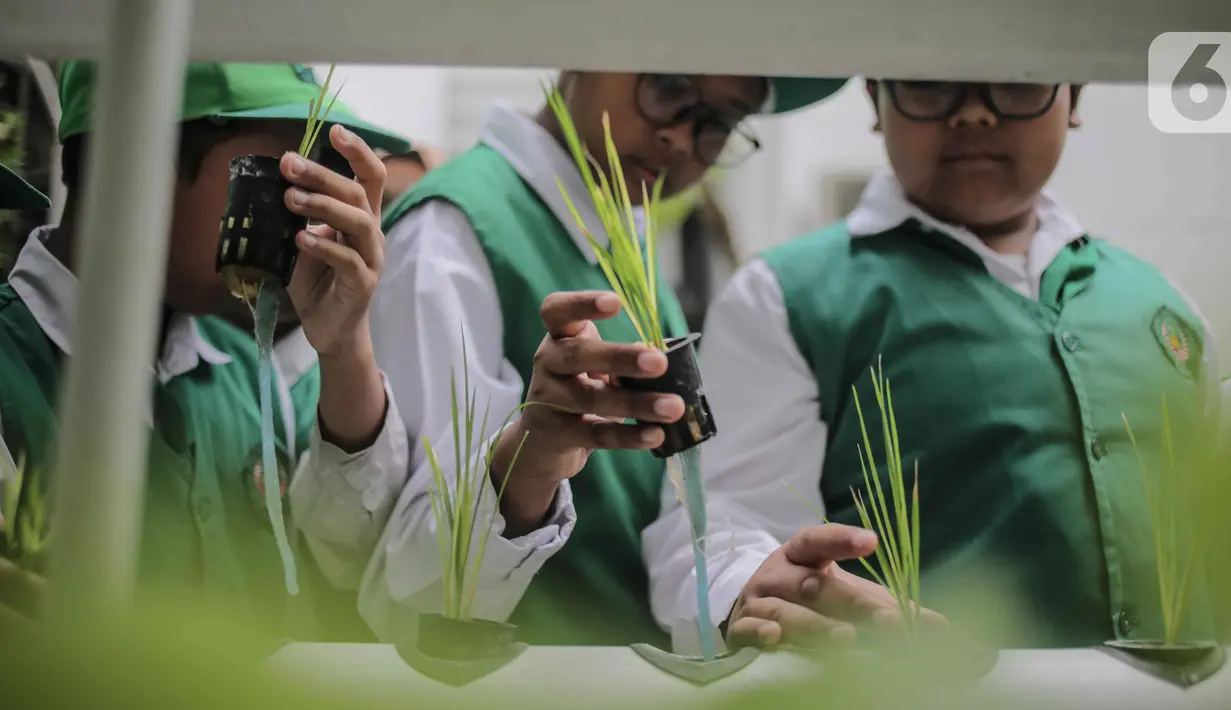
{"x":457,"y":640}
{"x":1184,"y":664}
{"x":694,"y":669}
{"x":683,"y":378}
{"x":257,"y":237}
{"x":457,"y":652}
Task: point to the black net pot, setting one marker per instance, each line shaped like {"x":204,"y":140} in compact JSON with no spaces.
{"x":682,"y":378}
{"x":256,"y":242}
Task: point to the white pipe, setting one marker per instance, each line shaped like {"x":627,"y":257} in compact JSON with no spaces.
{"x":122,"y":246}
{"x":45,"y":79}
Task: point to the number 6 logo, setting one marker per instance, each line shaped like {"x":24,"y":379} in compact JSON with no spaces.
{"x":1198,"y":72}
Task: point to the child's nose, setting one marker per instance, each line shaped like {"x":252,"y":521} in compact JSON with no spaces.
{"x":678,"y":140}
{"x":974,"y":111}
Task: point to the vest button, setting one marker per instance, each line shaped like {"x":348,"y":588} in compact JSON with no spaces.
{"x":1097,"y":448}
{"x":1071,"y":342}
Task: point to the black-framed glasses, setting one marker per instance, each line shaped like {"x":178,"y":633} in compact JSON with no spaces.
{"x":666,"y":100}
{"x":941,"y":100}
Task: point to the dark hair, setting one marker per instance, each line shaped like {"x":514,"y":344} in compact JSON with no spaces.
{"x":197,"y":139}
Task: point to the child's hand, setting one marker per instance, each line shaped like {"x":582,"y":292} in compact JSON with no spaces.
{"x":799,"y":595}
{"x":574,"y":405}
{"x":340,"y":261}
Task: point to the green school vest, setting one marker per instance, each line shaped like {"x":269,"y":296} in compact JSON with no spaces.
{"x":595,"y":590}
{"x":205,"y":529}
{"x":1012,"y":409}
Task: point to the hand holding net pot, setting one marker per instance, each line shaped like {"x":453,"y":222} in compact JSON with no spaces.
{"x":257,"y":236}
{"x":682,"y":378}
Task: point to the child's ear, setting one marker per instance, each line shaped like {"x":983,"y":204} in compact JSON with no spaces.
{"x":872,"y":86}
{"x":1074,"y":95}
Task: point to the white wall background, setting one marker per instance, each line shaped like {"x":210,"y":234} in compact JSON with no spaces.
{"x":1165,"y":197}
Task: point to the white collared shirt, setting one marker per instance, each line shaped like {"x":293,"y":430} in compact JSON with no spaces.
{"x":340,"y":500}
{"x":765,"y":395}
{"x":437,"y":288}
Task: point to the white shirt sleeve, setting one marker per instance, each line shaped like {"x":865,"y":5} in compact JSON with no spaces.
{"x":341,"y":501}
{"x":766,"y":406}
{"x":437,"y":288}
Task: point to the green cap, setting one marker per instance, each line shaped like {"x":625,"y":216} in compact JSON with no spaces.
{"x":228,"y":90}
{"x":17,"y":194}
{"x":791,"y":92}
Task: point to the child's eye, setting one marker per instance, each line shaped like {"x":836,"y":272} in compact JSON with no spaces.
{"x":673,"y":86}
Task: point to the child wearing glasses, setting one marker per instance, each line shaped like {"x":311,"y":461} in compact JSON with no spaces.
{"x":474,"y":251}
{"x":1013,"y":341}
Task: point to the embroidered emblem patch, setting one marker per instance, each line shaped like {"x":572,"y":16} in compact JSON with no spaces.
{"x":1177,"y":339}
{"x":255,"y":476}
{"x":258,"y":479}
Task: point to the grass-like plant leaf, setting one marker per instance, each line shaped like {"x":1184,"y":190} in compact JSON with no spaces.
{"x":26,"y":520}
{"x":893,"y":518}
{"x":629,"y":270}
{"x":315,"y":118}
{"x":462,"y":531}
{"x":1174,"y":552}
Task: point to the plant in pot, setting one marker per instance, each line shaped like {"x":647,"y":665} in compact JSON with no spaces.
{"x":892,"y":512}
{"x":1169,"y":498}
{"x":453,"y":646}
{"x":25,"y":525}
{"x":256,"y":258}
{"x":631,"y":272}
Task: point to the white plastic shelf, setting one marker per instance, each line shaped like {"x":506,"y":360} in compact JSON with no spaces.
{"x":615,"y":678}
{"x":1046,"y":40}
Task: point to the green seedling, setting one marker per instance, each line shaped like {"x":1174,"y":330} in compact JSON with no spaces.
{"x":629,"y":270}
{"x":461,"y":526}
{"x":893,"y":518}
{"x":26,"y":521}
{"x":1173,"y":554}
{"x":315,"y":118}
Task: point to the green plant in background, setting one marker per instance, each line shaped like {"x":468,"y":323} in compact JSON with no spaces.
{"x":1174,"y":552}
{"x":893,"y":518}
{"x":12,"y":131}
{"x":629,"y":269}
{"x":26,"y":520}
{"x":462,"y":530}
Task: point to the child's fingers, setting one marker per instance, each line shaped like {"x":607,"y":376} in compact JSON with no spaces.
{"x":577,"y":356}
{"x":797,"y":625}
{"x":587,"y":396}
{"x":369,"y":170}
{"x":572,"y":431}
{"x":817,"y":545}
{"x":313,"y":177}
{"x":346,"y":262}
{"x":357,"y":225}
{"x":564,"y":312}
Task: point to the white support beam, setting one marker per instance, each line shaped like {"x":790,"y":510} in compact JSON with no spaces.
{"x":121,"y":263}
{"x":1044,"y":40}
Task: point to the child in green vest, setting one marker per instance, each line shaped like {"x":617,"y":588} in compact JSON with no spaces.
{"x":206,"y":529}
{"x":1012,"y":340}
{"x":475,"y":248}
{"x":17,"y":587}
